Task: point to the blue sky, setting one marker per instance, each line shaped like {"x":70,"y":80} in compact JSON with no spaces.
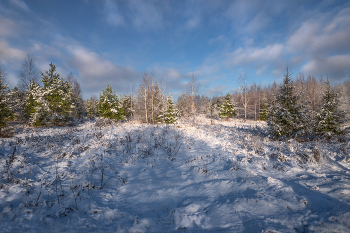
{"x":114,"y":42}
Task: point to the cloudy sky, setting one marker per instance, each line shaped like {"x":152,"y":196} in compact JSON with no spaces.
{"x":115,"y":41}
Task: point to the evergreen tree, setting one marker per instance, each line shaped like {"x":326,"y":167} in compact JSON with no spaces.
{"x":286,"y":116}
{"x":212,"y":108}
{"x":58,"y":94}
{"x":37,"y":107}
{"x":126,"y":103}
{"x":91,"y":107}
{"x":5,"y":112}
{"x":330,"y":119}
{"x":109,"y":106}
{"x":227,"y":108}
{"x":17,"y":104}
{"x":171,"y":115}
{"x":263,"y":115}
{"x":79,"y":110}
{"x":51,"y":104}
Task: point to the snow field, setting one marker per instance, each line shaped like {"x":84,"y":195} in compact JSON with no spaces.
{"x":227,"y":177}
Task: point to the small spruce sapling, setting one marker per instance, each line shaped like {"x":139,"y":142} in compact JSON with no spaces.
{"x":109,"y":106}
{"x":171,"y":115}
{"x":212,"y":107}
{"x":263,"y":115}
{"x":227,"y":108}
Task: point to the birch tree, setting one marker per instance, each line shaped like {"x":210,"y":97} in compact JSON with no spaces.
{"x":244,"y":94}
{"x":27,"y":73}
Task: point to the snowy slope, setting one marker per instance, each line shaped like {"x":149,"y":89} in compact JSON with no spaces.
{"x":227,"y":177}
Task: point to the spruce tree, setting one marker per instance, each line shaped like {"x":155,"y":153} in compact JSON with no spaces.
{"x":5,"y":112}
{"x":126,"y":103}
{"x":227,"y":108}
{"x":109,"y":106}
{"x":263,"y":114}
{"x":91,"y":107}
{"x":212,"y":108}
{"x":58,"y":93}
{"x":37,"y":107}
{"x":51,"y":104}
{"x":286,"y":116}
{"x":171,"y":115}
{"x":330,"y":119}
{"x":17,"y":104}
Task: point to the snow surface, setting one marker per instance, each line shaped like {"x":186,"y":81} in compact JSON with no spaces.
{"x":127,"y":177}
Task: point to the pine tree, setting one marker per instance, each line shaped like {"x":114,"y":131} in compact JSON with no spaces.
{"x":5,"y":112}
{"x":109,"y":106}
{"x":227,"y":108}
{"x":330,"y":119}
{"x":171,"y":115}
{"x":286,"y":116}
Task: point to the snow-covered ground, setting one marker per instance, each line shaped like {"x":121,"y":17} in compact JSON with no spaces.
{"x":128,"y":177}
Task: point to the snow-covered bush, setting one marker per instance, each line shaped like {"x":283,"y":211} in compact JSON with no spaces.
{"x":286,"y":117}
{"x":330,"y":119}
{"x":227,"y":108}
{"x":109,"y":106}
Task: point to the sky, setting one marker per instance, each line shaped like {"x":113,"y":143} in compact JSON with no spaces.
{"x":115,"y":42}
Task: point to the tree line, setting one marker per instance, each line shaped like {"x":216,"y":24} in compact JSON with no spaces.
{"x":56,"y":100}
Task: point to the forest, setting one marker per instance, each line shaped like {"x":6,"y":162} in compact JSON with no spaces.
{"x":47,"y":99}
{"x":272,"y":158}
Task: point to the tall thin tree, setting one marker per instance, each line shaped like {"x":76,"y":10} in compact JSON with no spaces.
{"x":27,"y":73}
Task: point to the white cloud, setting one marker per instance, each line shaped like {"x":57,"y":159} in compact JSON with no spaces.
{"x":96,"y":72}
{"x":258,"y":23}
{"x":216,"y":90}
{"x":193,"y":22}
{"x":171,"y":76}
{"x":8,"y":27}
{"x":334,"y":66}
{"x":20,"y":4}
{"x":113,"y":15}
{"x":266,"y":54}
{"x":324,"y":41}
{"x":322,"y":36}
{"x":7,"y":53}
{"x":141,"y":14}
{"x":145,"y":15}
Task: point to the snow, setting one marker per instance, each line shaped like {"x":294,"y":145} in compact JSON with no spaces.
{"x":128,"y":177}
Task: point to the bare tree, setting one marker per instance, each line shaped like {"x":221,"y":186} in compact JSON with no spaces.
{"x":143,"y":91}
{"x":193,"y":89}
{"x":27,"y":73}
{"x":131,"y":96}
{"x":243,"y":92}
